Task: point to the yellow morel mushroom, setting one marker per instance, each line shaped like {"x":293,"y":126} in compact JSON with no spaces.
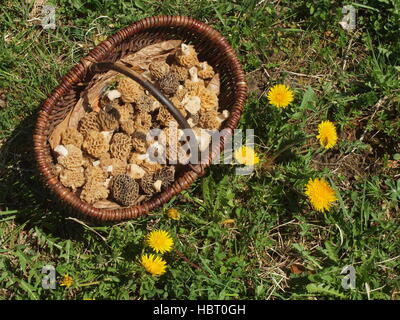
{"x":70,"y":157}
{"x":94,"y":191}
{"x":89,"y":123}
{"x":181,"y":72}
{"x":123,"y":113}
{"x":128,"y":127}
{"x":206,"y":71}
{"x":158,"y":69}
{"x":142,"y":121}
{"x":113,"y":166}
{"x":72,"y":178}
{"x":72,"y":136}
{"x":121,"y":146}
{"x":95,"y":144}
{"x":130,"y":90}
{"x":209,"y":119}
{"x":186,"y":56}
{"x":95,"y":173}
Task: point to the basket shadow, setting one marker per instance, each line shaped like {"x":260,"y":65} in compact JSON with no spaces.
{"x":22,"y":190}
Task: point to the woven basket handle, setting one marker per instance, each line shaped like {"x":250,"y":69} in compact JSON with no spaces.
{"x":156,"y":93}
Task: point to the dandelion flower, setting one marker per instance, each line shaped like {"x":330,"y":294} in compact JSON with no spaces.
{"x":160,"y":241}
{"x":153,"y":264}
{"x":66,"y":281}
{"x":247,"y":156}
{"x":327,"y":134}
{"x":280,"y":96}
{"x":173,"y":214}
{"x":320,"y":194}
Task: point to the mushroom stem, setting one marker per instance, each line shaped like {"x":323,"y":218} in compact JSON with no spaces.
{"x":193,"y":74}
{"x":61,"y":150}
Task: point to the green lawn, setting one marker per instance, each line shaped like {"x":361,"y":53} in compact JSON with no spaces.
{"x":277,"y":246}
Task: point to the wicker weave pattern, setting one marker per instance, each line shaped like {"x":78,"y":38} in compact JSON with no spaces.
{"x":211,"y":47}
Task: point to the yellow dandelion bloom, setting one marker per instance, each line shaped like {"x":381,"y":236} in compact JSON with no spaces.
{"x":153,"y":264}
{"x":327,"y":134}
{"x":280,"y":96}
{"x":160,"y":241}
{"x":320,"y":194}
{"x":173,"y":214}
{"x":247,"y":156}
{"x":66,"y":281}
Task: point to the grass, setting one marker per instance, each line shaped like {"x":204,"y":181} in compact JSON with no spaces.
{"x":242,"y":237}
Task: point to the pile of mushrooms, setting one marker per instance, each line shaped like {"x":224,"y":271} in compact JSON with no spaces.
{"x":105,"y":157}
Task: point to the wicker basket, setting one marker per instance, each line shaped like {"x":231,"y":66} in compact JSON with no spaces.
{"x":211,"y":47}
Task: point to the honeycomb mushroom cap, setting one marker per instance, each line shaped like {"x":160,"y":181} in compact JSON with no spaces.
{"x":209,"y":119}
{"x":121,"y":146}
{"x":181,"y":72}
{"x":72,"y":136}
{"x":166,"y":175}
{"x":73,"y":159}
{"x":142,"y":121}
{"x":146,"y":104}
{"x":95,"y":144}
{"x":169,"y":84}
{"x":123,"y":113}
{"x":94,"y":191}
{"x":72,"y":178}
{"x":158,"y":69}
{"x":113,"y":166}
{"x":107,"y":121}
{"x":206,"y":71}
{"x":130,"y":90}
{"x":147,"y":184}
{"x":139,"y":141}
{"x":88,"y":123}
{"x":124,"y":190}
{"x":95,"y":173}
{"x":128,"y":127}
{"x":186,"y":56}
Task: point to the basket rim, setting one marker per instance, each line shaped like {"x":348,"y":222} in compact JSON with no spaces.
{"x":79,"y":70}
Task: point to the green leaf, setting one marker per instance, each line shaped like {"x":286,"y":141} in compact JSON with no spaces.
{"x":308,"y":98}
{"x":320,"y":289}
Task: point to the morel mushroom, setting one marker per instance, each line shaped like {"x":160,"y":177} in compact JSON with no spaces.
{"x":107,"y":121}
{"x":142,"y":121}
{"x":147,"y":184}
{"x":70,"y":157}
{"x":95,"y":173}
{"x":88,"y":123}
{"x":72,"y":178}
{"x":166,"y":175}
{"x":158,"y":69}
{"x":186,"y":56}
{"x":139,"y":141}
{"x":125,"y":190}
{"x":181,"y":72}
{"x":95,"y":144}
{"x":206,"y":71}
{"x":147,"y":104}
{"x":209,"y":119}
{"x":128,"y":127}
{"x":94,"y":191}
{"x":72,"y":136}
{"x":121,"y":146}
{"x":130,"y":90}
{"x":169,"y":84}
